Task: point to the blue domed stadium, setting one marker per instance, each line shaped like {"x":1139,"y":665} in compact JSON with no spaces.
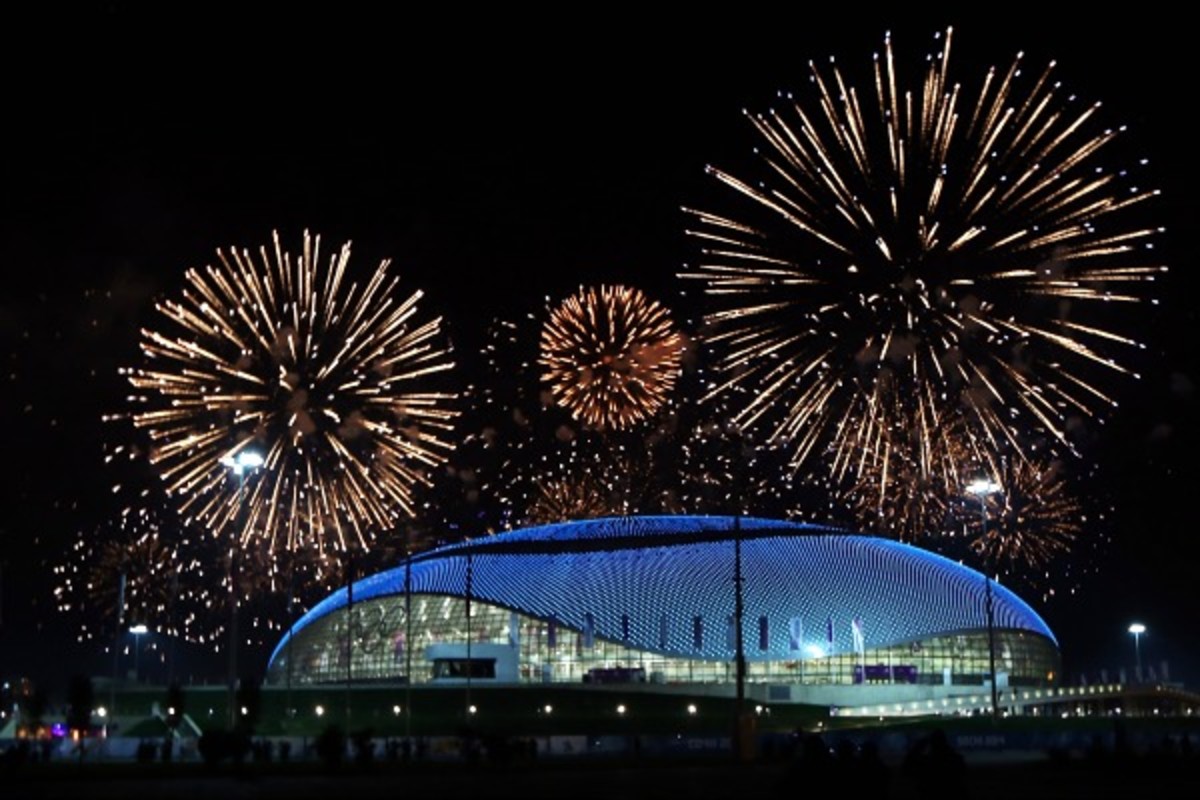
{"x":652,"y":599}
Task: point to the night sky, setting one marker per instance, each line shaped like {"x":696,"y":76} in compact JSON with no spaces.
{"x":495,"y":165}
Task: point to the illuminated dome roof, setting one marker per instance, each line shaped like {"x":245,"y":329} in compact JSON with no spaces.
{"x":644,"y":580}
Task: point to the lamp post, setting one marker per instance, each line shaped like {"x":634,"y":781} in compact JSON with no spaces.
{"x":291,"y":615}
{"x":739,"y":738}
{"x":349,"y":629}
{"x":408,"y":644}
{"x":982,"y":487}
{"x":137,"y":631}
{"x":1137,"y":629}
{"x":118,"y":629}
{"x":243,"y":461}
{"x":470,"y":669}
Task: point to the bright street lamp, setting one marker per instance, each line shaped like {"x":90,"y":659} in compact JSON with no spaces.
{"x":982,"y":487}
{"x":246,"y":459}
{"x":239,"y":464}
{"x":1137,"y":629}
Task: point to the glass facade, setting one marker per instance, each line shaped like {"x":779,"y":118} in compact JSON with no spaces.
{"x":383,"y":644}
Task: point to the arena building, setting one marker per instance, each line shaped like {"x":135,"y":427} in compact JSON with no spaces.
{"x":825,"y":614}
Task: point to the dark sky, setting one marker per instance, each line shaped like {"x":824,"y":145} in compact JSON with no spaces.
{"x":495,"y":163}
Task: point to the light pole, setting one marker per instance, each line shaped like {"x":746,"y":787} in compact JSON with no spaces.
{"x":243,"y":461}
{"x":740,"y":735}
{"x":287,"y":710}
{"x":1137,"y":629}
{"x":137,"y":631}
{"x":470,"y":666}
{"x":117,"y":632}
{"x":349,"y":628}
{"x":982,"y":487}
{"x":408,"y":644}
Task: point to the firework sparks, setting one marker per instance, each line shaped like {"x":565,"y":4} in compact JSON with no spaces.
{"x":611,"y":356}
{"x":325,"y":376}
{"x":125,"y":570}
{"x":900,"y":473}
{"x":1033,"y":518}
{"x":562,"y":499}
{"x":906,"y":244}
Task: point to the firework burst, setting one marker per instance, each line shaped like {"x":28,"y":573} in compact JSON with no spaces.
{"x":905,"y":469}
{"x":1030,"y":520}
{"x":562,"y":499}
{"x":911,"y":247}
{"x":126,"y":569}
{"x":325,"y":376}
{"x":611,"y":356}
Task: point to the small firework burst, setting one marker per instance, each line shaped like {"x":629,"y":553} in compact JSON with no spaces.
{"x":124,"y":571}
{"x":611,"y":356}
{"x":1031,"y":518}
{"x":559,"y":499}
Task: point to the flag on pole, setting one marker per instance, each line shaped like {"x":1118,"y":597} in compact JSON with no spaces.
{"x":856,"y":632}
{"x":514,"y":630}
{"x":698,"y":633}
{"x":764,"y":638}
{"x":625,"y":627}
{"x":552,"y":633}
{"x":664,"y":631}
{"x":829,"y":631}
{"x":589,"y":631}
{"x":795,"y":634}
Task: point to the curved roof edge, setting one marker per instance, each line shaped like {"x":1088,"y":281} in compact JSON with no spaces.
{"x":615,"y":534}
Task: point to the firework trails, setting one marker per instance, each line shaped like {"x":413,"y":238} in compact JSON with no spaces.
{"x":1031,"y":521}
{"x":610,"y":355}
{"x":327,"y":377}
{"x":904,"y":253}
{"x":125,"y":568}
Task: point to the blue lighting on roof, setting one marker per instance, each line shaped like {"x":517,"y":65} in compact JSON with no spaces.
{"x":632,"y":573}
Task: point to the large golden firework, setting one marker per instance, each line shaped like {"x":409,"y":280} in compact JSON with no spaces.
{"x":902,"y":243}
{"x":326,"y":376}
{"x":611,"y":356}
